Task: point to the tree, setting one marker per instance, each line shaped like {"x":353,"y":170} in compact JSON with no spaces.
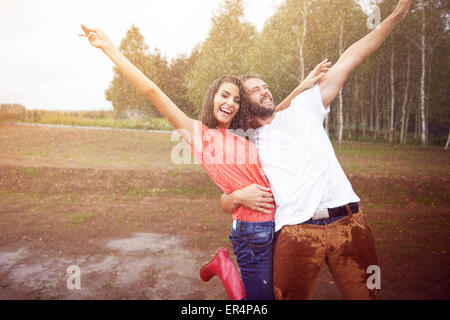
{"x":223,"y":52}
{"x":431,"y":25}
{"x":178,"y":89}
{"x":399,"y":88}
{"x":344,"y":23}
{"x":123,"y":96}
{"x":128,"y":101}
{"x":281,"y":52}
{"x":404,"y":112}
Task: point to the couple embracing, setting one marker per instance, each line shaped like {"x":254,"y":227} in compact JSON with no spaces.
{"x":292,"y":205}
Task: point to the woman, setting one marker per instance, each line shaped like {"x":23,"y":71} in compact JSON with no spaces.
{"x":217,"y":149}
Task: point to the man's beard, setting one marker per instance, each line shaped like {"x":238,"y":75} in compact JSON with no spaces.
{"x":260,"y":111}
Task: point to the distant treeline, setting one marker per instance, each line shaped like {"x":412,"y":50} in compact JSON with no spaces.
{"x":19,"y":112}
{"x":15,"y":112}
{"x":399,"y":95}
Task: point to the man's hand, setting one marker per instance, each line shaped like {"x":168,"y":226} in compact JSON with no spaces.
{"x":402,"y":8}
{"x":313,"y":77}
{"x":254,"y":197}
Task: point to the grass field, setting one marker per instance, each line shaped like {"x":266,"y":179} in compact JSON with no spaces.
{"x":85,"y":197}
{"x":105,"y":119}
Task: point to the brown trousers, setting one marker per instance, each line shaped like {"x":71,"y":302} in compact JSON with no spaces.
{"x":346,"y":246}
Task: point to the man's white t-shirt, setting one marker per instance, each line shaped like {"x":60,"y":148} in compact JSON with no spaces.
{"x":299,"y":160}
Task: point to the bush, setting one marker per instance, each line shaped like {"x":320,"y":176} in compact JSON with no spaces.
{"x":12,"y":112}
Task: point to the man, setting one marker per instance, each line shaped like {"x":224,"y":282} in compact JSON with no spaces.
{"x":317,"y":217}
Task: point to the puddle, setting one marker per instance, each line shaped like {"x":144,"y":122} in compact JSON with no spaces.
{"x":145,"y":266}
{"x":144,"y":241}
{"x":8,"y":259}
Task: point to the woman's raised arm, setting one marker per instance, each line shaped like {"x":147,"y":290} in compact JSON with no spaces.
{"x":312,"y":78}
{"x":176,"y":117}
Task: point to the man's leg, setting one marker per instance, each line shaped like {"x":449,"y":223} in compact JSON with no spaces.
{"x":350,"y":252}
{"x":299,"y":254}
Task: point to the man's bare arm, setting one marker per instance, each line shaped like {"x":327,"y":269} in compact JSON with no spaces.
{"x":333,"y":81}
{"x":254,"y":196}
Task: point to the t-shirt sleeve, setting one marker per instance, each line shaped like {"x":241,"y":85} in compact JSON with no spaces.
{"x":317,"y":103}
{"x":306,"y":107}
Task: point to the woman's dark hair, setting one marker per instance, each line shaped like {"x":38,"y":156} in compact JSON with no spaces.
{"x":207,"y":114}
{"x":242,"y":121}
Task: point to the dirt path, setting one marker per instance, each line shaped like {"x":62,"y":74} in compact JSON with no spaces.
{"x":139,"y":227}
{"x":138,"y":235}
{"x":144,"y":266}
{"x":61,"y":126}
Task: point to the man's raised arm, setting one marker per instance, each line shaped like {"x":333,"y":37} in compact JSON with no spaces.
{"x":335,"y":78}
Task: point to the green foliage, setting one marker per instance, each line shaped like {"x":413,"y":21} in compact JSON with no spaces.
{"x":276,"y":55}
{"x":79,"y":218}
{"x":10,"y":112}
{"x":178,"y":89}
{"x":127,"y":101}
{"x":233,"y":46}
{"x":93,"y":119}
{"x":223,"y":52}
{"x":123,"y":96}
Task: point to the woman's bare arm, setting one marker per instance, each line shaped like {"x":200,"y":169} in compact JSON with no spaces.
{"x":176,"y":117}
{"x":312,"y":78}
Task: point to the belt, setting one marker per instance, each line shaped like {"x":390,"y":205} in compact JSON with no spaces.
{"x":341,"y":211}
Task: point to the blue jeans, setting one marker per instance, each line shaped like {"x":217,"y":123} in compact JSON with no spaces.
{"x":253,"y":247}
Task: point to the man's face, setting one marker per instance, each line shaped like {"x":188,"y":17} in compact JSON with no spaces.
{"x":259,"y":97}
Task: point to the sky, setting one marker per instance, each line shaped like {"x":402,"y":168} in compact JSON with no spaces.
{"x":44,"y":64}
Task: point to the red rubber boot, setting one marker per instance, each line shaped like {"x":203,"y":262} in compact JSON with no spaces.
{"x":222,"y":266}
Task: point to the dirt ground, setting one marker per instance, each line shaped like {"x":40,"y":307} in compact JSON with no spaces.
{"x":140,"y":227}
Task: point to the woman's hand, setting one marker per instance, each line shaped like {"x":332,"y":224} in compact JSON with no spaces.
{"x":255,"y":197}
{"x":97,"y":38}
{"x":318,"y":72}
{"x":313,"y":77}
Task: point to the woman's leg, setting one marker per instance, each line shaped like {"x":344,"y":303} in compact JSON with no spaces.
{"x":222,"y":266}
{"x":253,"y":246}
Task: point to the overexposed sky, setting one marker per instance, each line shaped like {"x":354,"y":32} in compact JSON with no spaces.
{"x":44,"y":64}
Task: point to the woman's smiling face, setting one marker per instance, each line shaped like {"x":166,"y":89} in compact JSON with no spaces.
{"x":226,"y":104}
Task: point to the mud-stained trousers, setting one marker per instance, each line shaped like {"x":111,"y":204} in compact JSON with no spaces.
{"x":347,"y":246}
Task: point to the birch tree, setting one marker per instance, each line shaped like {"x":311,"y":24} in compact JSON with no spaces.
{"x":392,"y":108}
{"x":404,"y":119}
{"x":223,"y":52}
